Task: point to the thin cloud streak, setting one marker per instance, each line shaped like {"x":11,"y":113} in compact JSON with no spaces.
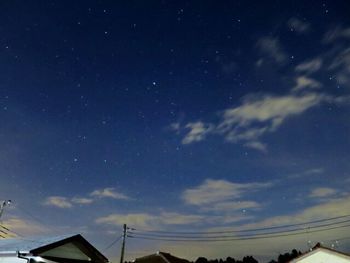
{"x":67,"y":202}
{"x":219,"y":194}
{"x":58,"y":201}
{"x":108,"y":193}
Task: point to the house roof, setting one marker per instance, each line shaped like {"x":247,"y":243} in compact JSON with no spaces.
{"x":26,"y":245}
{"x":53,"y":247}
{"x":161,"y":257}
{"x":318,"y":248}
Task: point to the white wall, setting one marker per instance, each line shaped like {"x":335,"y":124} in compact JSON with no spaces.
{"x":12,"y":259}
{"x":324,"y":257}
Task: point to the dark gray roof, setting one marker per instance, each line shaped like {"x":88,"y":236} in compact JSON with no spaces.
{"x":160,"y":257}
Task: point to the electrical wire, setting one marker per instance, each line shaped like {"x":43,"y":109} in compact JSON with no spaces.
{"x":4,"y":232}
{"x":113,"y":242}
{"x":237,"y":239}
{"x":242,"y":230}
{"x":7,"y":234}
{"x":11,"y":231}
{"x":245,"y":235}
{"x":30,"y":215}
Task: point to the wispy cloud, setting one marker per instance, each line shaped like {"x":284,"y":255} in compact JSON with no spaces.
{"x":258,"y":115}
{"x":58,"y":201}
{"x":109,"y":192}
{"x":271,"y":47}
{"x":222,"y":195}
{"x":151,"y":221}
{"x":309,"y":66}
{"x":303,"y":82}
{"x":336,"y":33}
{"x":143,"y":220}
{"x":341,"y":66}
{"x":82,"y":200}
{"x":270,"y":110}
{"x":257,"y":146}
{"x":197,"y":132}
{"x":68,"y":202}
{"x":309,"y":172}
{"x":322,"y":192}
{"x":298,"y":26}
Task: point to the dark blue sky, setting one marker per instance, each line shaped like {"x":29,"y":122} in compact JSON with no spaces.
{"x":175,"y":115}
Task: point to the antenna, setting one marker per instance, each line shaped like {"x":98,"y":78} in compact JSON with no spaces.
{"x":309,"y":244}
{"x":2,"y":206}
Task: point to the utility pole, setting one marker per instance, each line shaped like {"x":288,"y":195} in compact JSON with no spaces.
{"x":123,"y":244}
{"x":2,"y":206}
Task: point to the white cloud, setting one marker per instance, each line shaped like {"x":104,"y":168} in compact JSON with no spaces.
{"x":271,"y":47}
{"x":298,"y":25}
{"x":82,"y":200}
{"x":303,"y":82}
{"x":322,"y":192}
{"x":198,"y":132}
{"x":66,"y":202}
{"x":309,"y":66}
{"x":211,"y":192}
{"x":274,"y":109}
{"x":258,"y":115}
{"x":58,"y":201}
{"x":143,"y":220}
{"x":257,"y":146}
{"x":108,"y":192}
{"x":151,"y":221}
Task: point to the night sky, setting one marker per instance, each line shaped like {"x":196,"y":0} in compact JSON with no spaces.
{"x":175,"y":116}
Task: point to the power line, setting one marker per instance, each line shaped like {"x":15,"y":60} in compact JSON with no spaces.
{"x":242,"y":230}
{"x":113,"y":242}
{"x":245,"y":235}
{"x":11,"y":231}
{"x":6,"y":233}
{"x":31,"y":215}
{"x":237,"y":239}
